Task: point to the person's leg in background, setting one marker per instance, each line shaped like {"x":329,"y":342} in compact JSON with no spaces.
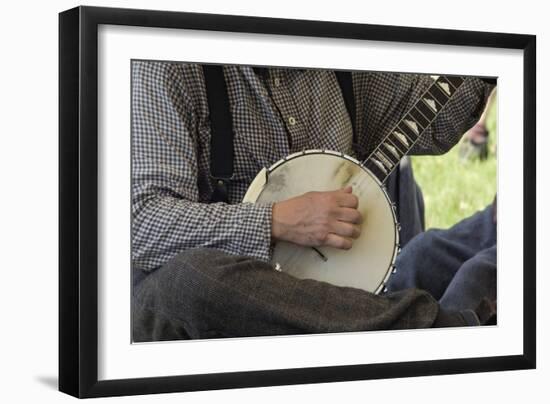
{"x":432,"y":259}
{"x":476,"y":279}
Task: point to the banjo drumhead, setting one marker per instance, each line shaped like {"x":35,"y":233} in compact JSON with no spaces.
{"x":369,"y":262}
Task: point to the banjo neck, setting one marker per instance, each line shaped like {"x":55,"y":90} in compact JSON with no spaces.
{"x":401,"y":139}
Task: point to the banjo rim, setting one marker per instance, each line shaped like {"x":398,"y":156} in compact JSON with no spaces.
{"x":396,"y":225}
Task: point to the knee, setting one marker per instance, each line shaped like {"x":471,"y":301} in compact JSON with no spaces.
{"x":411,"y":262}
{"x":417,"y":249}
{"x":488,"y":256}
{"x":175,"y":281}
{"x":190,"y":272}
{"x":194,"y":277}
{"x":483,"y":265}
{"x":177,"y":296}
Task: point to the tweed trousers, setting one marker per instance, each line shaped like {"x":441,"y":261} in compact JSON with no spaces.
{"x":206,"y":293}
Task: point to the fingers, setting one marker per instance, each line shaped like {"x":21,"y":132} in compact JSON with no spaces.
{"x":336,"y":241}
{"x":318,"y":219}
{"x":347,"y":200}
{"x":347,"y":189}
{"x":348,"y":215}
{"x":344,"y":229}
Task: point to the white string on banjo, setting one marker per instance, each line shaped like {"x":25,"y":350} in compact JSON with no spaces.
{"x":402,"y":138}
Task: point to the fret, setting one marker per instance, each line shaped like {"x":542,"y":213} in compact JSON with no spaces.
{"x":431,"y":103}
{"x":384,"y":159}
{"x":402,"y":140}
{"x":394,"y":140}
{"x":411,"y":124}
{"x":394,"y":160}
{"x":390,"y":152}
{"x":427,"y":111}
{"x":379,"y":164}
{"x":446,"y":80}
{"x":420,"y":119}
{"x":438,"y":95}
{"x":377,"y":169}
{"x":456,"y":81}
{"x":410,"y":129}
{"x":446,"y":85}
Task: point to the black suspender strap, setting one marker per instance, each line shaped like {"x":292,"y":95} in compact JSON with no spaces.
{"x":221,"y":126}
{"x":346,"y":85}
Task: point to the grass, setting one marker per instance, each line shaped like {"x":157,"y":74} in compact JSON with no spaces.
{"x":454,"y":189}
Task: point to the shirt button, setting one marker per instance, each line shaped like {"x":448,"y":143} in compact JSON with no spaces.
{"x":277,"y":82}
{"x":292,"y":120}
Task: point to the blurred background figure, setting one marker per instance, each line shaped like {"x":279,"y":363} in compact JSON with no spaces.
{"x":475,"y":144}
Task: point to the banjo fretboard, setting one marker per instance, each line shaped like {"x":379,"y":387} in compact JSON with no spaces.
{"x":406,"y":133}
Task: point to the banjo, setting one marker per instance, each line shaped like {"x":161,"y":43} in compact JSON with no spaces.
{"x":370,"y":261}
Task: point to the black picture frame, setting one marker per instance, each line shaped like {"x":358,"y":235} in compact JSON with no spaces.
{"x":78,"y":201}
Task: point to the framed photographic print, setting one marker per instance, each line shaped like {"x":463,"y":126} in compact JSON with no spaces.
{"x":251,"y":201}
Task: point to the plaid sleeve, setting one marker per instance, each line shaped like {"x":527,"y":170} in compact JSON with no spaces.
{"x":167,"y":215}
{"x":389,"y":96}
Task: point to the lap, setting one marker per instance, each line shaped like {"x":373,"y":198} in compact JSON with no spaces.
{"x":209,"y":294}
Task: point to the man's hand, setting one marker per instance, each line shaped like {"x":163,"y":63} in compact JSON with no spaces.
{"x":318,"y":219}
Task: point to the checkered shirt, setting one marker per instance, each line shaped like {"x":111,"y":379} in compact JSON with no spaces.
{"x":285,"y":111}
